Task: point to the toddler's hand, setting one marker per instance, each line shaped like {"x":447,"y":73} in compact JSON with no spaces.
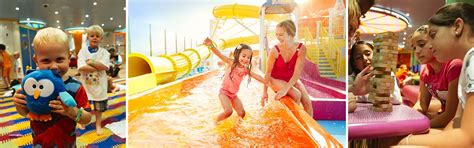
{"x":58,"y":107}
{"x":19,"y":99}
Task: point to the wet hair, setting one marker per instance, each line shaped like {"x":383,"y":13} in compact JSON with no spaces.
{"x":289,"y":26}
{"x":352,"y":55}
{"x":447,"y":15}
{"x":2,"y":47}
{"x":235,"y":61}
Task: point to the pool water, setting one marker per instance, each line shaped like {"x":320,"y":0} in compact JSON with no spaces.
{"x":187,"y":119}
{"x":337,"y":128}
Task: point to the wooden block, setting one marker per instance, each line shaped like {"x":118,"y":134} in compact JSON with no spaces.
{"x":379,"y":99}
{"x":384,"y":69}
{"x":383,"y":94}
{"x":381,"y":72}
{"x":378,"y":109}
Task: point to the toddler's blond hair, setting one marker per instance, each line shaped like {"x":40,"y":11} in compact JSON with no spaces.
{"x":51,"y":36}
{"x":95,"y":29}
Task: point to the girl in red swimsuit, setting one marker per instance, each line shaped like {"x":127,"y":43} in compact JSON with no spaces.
{"x":284,"y":65}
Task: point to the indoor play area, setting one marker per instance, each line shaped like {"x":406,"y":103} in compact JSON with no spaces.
{"x":173,"y":96}
{"x":19,"y":23}
{"x":394,"y":110}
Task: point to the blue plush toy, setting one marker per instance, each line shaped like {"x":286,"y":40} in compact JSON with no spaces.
{"x":40,"y":87}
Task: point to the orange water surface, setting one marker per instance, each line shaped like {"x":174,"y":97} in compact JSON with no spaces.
{"x":183,"y":115}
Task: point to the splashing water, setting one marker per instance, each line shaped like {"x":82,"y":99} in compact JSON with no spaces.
{"x":187,"y":119}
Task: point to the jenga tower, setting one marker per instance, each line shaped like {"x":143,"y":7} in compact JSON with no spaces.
{"x":384,"y":61}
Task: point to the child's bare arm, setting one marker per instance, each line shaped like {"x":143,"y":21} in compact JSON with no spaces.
{"x":97,"y":65}
{"x":221,"y":56}
{"x":258,"y":77}
{"x":87,"y":69}
{"x":71,"y":112}
{"x":20,"y":103}
{"x":85,"y":117}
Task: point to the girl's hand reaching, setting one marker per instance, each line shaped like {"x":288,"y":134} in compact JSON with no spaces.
{"x":362,"y":79}
{"x":207,"y":42}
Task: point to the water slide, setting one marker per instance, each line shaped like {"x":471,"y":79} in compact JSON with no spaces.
{"x":158,"y":105}
{"x":183,"y":112}
{"x":164,"y":69}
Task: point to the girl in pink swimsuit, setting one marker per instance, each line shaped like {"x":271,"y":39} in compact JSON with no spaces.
{"x":284,"y":65}
{"x":236,"y":69}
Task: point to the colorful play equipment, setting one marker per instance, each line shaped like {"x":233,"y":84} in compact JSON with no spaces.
{"x":167,"y":68}
{"x":162,"y":69}
{"x":182,"y":113}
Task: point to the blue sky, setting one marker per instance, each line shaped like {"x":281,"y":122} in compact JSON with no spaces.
{"x":185,"y":18}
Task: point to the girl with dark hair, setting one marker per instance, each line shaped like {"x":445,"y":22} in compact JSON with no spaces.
{"x":360,"y":61}
{"x":437,"y":80}
{"x":451,"y":33}
{"x":236,"y":69}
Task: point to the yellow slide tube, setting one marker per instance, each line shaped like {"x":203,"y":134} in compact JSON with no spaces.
{"x":244,"y":11}
{"x":148,"y":72}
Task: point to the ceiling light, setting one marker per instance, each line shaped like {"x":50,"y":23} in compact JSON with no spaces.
{"x":95,"y":3}
{"x":56,"y":12}
{"x":102,"y":25}
{"x":87,"y":15}
{"x":16,"y":8}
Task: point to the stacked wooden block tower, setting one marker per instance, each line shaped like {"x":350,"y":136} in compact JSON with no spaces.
{"x":384,"y":62}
